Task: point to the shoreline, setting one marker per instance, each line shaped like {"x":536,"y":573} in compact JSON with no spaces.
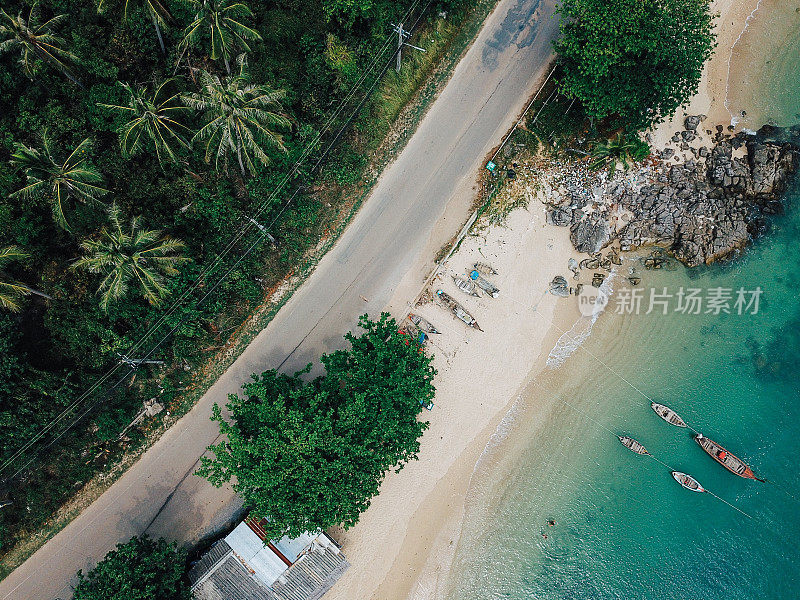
{"x":405,"y":543}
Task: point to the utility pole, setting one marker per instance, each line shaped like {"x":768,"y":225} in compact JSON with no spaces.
{"x":138,"y":362}
{"x":402,"y":36}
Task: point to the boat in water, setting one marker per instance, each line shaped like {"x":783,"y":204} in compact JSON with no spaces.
{"x":733,"y":463}
{"x":466,"y":286}
{"x":422,"y":323}
{"x":459,"y":311}
{"x":669,"y":415}
{"x":687,"y":481}
{"x":632,"y":445}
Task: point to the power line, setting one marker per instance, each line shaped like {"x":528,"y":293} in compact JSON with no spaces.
{"x":251,"y":222}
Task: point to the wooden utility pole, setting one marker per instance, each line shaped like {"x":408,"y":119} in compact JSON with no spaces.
{"x":402,"y":36}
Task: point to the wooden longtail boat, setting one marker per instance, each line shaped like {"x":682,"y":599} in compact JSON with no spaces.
{"x":669,"y":415}
{"x":466,"y":286}
{"x":632,"y":445}
{"x":687,"y":481}
{"x":733,"y":463}
{"x":484,"y":269}
{"x":486,"y":285}
{"x":423,"y":323}
{"x":459,"y":311}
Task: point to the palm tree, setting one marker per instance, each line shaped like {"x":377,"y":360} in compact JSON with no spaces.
{"x":240,"y":117}
{"x":134,"y":257}
{"x":152,"y":122}
{"x":618,"y":149}
{"x":222,"y":20}
{"x":158,"y":14}
{"x":57,"y":180}
{"x":35,"y":39}
{"x":11,"y":291}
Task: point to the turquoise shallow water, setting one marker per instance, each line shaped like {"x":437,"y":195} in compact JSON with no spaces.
{"x":624,"y":528}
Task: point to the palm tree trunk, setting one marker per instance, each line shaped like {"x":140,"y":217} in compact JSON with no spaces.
{"x":158,"y":32}
{"x":38,"y":293}
{"x":239,"y":156}
{"x":227,"y":64}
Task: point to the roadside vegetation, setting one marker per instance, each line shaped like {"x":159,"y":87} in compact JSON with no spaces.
{"x":141,"y":569}
{"x":311,"y":455}
{"x":135,"y":139}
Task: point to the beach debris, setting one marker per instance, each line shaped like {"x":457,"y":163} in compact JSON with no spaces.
{"x":413,"y":332}
{"x":459,"y":311}
{"x":559,"y":286}
{"x":590,"y":263}
{"x":467,"y":286}
{"x":615,"y":258}
{"x":597,"y":279}
{"x":632,"y":445}
{"x":485,"y":268}
{"x":426,"y":404}
{"x":634,"y":280}
{"x":486,"y":285}
{"x":605,"y":264}
{"x":422,"y":323}
{"x":669,"y":415}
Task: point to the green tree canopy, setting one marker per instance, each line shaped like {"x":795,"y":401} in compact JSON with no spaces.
{"x":241,"y":118}
{"x":311,"y":455}
{"x":11,"y":292}
{"x":636,"y":59}
{"x":142,"y":569}
{"x":130,"y":257}
{"x":56,"y":180}
{"x":154,"y":122}
{"x":35,"y":39}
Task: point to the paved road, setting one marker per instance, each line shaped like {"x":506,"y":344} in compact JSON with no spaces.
{"x":395,"y":231}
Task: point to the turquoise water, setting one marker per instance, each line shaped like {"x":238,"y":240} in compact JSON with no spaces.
{"x":624,"y":528}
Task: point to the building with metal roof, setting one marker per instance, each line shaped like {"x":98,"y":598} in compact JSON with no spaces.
{"x":246,"y":566}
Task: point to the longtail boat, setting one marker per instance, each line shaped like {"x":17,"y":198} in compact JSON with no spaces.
{"x":632,"y":445}
{"x":733,"y":463}
{"x":466,"y":286}
{"x":486,"y":285}
{"x":669,"y":415}
{"x":459,"y":311}
{"x":484,"y":268}
{"x":687,"y":481}
{"x":423,"y":323}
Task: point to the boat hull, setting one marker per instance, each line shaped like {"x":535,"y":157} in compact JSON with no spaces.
{"x":688,"y":482}
{"x":731,"y":462}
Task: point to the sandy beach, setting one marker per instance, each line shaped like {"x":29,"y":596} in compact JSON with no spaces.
{"x":404,"y":544}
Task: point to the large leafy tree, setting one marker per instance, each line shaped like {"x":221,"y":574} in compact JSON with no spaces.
{"x":142,"y":569}
{"x":242,"y":119}
{"x":154,"y":122}
{"x":638,"y":60}
{"x":130,"y":257}
{"x":220,"y":21}
{"x":157,"y":11}
{"x":312,"y":455}
{"x":54,"y":180}
{"x":35,"y":40}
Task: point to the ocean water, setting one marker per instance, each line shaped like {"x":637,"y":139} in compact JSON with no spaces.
{"x":623,"y":527}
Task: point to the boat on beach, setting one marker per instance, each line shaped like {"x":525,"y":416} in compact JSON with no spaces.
{"x":486,"y":285}
{"x":484,"y":268}
{"x":687,"y":481}
{"x":733,"y":463}
{"x":466,"y":286}
{"x":459,"y":311}
{"x":669,"y":415}
{"x":422,"y":323}
{"x":632,"y":445}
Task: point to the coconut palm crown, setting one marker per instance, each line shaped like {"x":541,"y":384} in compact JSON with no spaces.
{"x":222,"y":19}
{"x":35,"y":40}
{"x":153,"y":122}
{"x":131,"y":257}
{"x":618,"y":149}
{"x":56,"y":180}
{"x":11,"y":292}
{"x":241,"y":118}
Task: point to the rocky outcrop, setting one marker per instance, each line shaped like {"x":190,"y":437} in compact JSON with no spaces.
{"x":702,"y":210}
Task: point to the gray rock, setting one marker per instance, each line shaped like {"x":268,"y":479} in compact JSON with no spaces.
{"x":560,"y":217}
{"x":691,"y":123}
